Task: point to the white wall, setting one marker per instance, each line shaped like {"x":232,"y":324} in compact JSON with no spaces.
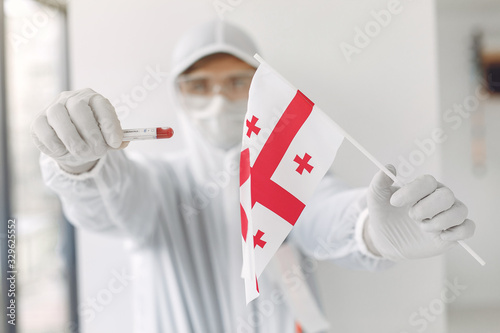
{"x":386,"y":98}
{"x":456,"y":26}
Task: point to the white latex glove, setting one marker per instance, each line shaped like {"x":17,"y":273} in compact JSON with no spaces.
{"x":77,"y":129}
{"x":419,"y":220}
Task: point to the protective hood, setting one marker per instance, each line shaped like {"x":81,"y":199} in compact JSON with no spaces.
{"x":203,"y":40}
{"x":209,"y":38}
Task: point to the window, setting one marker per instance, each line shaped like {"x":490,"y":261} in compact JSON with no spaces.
{"x":35,"y":74}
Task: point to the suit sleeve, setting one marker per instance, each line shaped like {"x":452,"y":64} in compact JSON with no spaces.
{"x":330,"y":227}
{"x":122,"y":195}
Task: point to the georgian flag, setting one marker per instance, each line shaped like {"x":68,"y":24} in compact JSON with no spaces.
{"x":288,"y":146}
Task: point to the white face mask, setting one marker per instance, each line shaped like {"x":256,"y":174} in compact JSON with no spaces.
{"x":218,"y":119}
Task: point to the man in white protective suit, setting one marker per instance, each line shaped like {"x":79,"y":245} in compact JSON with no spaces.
{"x":185,"y":231}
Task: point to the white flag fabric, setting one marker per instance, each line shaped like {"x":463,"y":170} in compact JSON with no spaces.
{"x":288,"y":146}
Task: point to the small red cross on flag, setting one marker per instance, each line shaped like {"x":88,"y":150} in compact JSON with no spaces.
{"x":257,"y":239}
{"x":303,"y":163}
{"x":281,"y":164}
{"x":252,"y":128}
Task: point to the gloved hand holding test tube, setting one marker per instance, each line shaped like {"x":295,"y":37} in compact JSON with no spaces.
{"x":151,"y":133}
{"x":81,"y":127}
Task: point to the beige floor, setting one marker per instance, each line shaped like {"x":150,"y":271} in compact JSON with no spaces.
{"x":474,"y":320}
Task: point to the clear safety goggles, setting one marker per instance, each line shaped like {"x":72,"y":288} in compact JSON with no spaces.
{"x":233,"y":86}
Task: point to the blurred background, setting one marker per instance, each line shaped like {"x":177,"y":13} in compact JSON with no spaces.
{"x":419,"y":88}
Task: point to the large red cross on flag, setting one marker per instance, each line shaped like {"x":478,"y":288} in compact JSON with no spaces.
{"x":288,"y":146}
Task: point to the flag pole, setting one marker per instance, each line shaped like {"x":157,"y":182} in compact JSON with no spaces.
{"x":382,"y":167}
{"x":374,"y":161}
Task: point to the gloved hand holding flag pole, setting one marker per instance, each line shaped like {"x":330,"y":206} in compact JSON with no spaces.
{"x":283,"y":159}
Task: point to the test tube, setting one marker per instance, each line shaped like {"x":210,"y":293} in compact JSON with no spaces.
{"x":151,"y":133}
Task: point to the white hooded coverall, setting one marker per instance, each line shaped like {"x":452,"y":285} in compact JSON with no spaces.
{"x":181,"y":213}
